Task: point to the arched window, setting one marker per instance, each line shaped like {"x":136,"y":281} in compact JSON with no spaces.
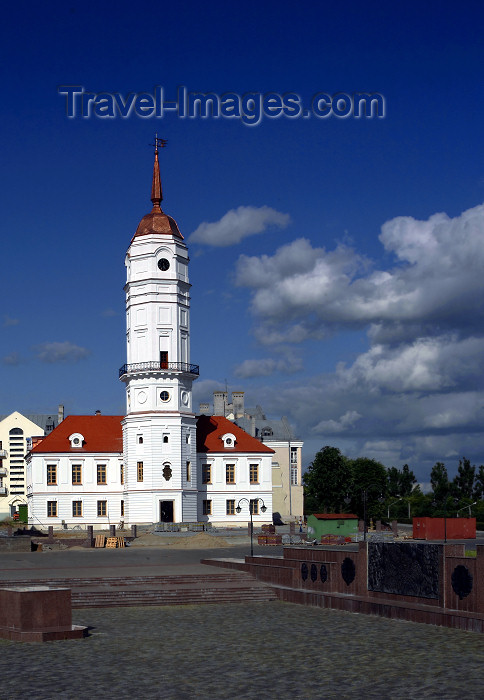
{"x":16,"y":431}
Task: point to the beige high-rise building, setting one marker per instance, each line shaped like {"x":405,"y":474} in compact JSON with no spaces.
{"x":17,"y":432}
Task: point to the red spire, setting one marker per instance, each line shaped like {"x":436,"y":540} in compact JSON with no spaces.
{"x":156,"y":192}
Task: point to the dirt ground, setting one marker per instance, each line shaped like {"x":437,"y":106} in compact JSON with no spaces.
{"x":201,"y":540}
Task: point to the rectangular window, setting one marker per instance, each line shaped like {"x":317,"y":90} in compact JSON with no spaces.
{"x":207,"y":507}
{"x":102,"y":508}
{"x":51,"y":475}
{"x":77,"y":474}
{"x":122,"y":509}
{"x":254,"y":473}
{"x":230,"y":507}
{"x":254,"y":506}
{"x":76,"y":509}
{"x":230,"y":473}
{"x":206,"y":473}
{"x":294,"y":466}
{"x":189,"y":471}
{"x":101,"y":474}
{"x":52,"y":509}
{"x":121,"y":473}
{"x":139,"y":471}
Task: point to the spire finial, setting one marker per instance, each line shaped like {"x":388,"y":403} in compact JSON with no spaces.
{"x":156,"y":192}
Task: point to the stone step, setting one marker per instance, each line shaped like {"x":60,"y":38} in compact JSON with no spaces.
{"x":118,"y":598}
{"x":113,"y":581}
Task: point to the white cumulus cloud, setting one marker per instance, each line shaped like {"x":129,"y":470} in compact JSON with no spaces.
{"x":337,"y":426}
{"x":238,"y":224}
{"x":266,"y":366}
{"x":436,"y":281}
{"x":64,"y":352}
{"x":414,"y":392}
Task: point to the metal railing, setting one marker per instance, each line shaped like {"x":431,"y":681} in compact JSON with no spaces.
{"x":159,"y":366}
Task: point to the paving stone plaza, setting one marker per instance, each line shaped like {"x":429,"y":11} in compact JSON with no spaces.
{"x":252,"y":651}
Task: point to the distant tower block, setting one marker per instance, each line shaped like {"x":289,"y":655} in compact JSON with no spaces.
{"x":219,"y":403}
{"x":238,"y":403}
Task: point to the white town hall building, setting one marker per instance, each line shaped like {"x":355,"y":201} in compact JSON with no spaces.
{"x":159,"y":462}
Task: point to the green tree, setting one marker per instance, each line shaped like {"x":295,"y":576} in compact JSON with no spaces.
{"x":421,"y":503}
{"x":439,"y":479}
{"x":400,"y":483}
{"x":393,"y":482}
{"x":463,"y":483}
{"x":370,"y":477}
{"x":407,"y":481}
{"x":478,"y":493}
{"x":327,"y":481}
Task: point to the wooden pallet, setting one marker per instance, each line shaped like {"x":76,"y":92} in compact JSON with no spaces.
{"x":100,"y":541}
{"x":111,"y":543}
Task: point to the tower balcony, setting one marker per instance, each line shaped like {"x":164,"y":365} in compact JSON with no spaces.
{"x":148,"y":367}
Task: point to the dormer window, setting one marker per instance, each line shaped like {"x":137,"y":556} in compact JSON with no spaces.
{"x":76,"y":440}
{"x":229,"y":441}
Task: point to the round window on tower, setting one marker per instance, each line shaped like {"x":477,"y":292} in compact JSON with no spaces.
{"x":163,"y":264}
{"x":164,"y":396}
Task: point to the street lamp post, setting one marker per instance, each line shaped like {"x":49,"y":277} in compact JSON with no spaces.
{"x":464,"y":507}
{"x":393,"y":503}
{"x":365,"y":497}
{"x":251,"y":504}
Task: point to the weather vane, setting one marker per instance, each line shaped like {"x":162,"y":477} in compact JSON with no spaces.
{"x":159,"y":143}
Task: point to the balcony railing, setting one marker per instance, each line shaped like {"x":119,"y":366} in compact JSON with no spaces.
{"x":3,"y":491}
{"x":159,"y":367}
{"x":3,"y":471}
{"x":3,"y":453}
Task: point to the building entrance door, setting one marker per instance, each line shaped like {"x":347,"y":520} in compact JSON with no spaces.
{"x":166,"y":511}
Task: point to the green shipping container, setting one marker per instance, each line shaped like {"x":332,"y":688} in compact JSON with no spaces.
{"x":341,"y":524}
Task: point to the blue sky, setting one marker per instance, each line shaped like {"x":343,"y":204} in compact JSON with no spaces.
{"x":351,"y":299}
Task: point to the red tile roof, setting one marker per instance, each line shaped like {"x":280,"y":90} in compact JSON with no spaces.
{"x":335,"y":516}
{"x":101,"y":434}
{"x":209,"y":437}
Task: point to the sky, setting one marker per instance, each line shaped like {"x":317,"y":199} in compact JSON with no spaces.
{"x":336,"y":261}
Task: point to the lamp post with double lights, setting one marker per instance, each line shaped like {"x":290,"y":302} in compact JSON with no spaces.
{"x":251,"y":504}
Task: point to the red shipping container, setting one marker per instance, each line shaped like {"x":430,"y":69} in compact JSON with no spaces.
{"x":435,"y":528}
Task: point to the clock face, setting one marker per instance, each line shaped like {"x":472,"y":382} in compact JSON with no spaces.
{"x":163,"y":264}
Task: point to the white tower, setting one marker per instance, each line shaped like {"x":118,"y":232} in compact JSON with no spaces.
{"x":159,"y":430}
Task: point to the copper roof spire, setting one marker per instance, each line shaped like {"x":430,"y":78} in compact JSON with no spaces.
{"x":156,"y":191}
{"x":157,"y":222}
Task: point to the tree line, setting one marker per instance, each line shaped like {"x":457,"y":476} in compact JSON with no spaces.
{"x":334,"y":483}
